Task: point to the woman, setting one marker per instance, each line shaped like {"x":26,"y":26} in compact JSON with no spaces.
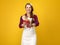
{"x":28,"y":21}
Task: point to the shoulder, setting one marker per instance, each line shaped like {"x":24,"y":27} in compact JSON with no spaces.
{"x":23,"y":17}
{"x":34,"y":15}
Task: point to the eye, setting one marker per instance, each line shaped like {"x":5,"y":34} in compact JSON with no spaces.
{"x":26,"y":7}
{"x":29,"y":7}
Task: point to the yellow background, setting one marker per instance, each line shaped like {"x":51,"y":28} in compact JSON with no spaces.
{"x":48,"y":12}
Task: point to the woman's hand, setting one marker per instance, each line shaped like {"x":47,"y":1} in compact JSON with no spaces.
{"x":23,"y":24}
{"x":33,"y":24}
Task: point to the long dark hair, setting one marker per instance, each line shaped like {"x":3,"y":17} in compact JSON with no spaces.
{"x":31,"y":14}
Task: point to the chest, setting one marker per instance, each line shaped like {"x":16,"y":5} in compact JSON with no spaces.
{"x":30,"y":19}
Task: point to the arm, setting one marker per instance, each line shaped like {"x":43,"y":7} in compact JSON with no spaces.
{"x":21,"y":25}
{"x":36,"y":22}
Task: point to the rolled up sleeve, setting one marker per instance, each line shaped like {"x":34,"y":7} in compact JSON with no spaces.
{"x":21,"y":22}
{"x":36,"y":20}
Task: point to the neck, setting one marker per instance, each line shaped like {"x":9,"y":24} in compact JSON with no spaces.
{"x":28,"y":14}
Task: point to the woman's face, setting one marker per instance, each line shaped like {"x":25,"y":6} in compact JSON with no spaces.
{"x":28,"y":8}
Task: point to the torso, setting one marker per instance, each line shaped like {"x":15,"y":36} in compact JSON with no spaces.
{"x":28,"y":19}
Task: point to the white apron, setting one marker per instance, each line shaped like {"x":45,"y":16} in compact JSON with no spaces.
{"x":28,"y":36}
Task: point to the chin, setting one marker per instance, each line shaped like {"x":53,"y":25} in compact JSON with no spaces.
{"x":28,"y":11}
